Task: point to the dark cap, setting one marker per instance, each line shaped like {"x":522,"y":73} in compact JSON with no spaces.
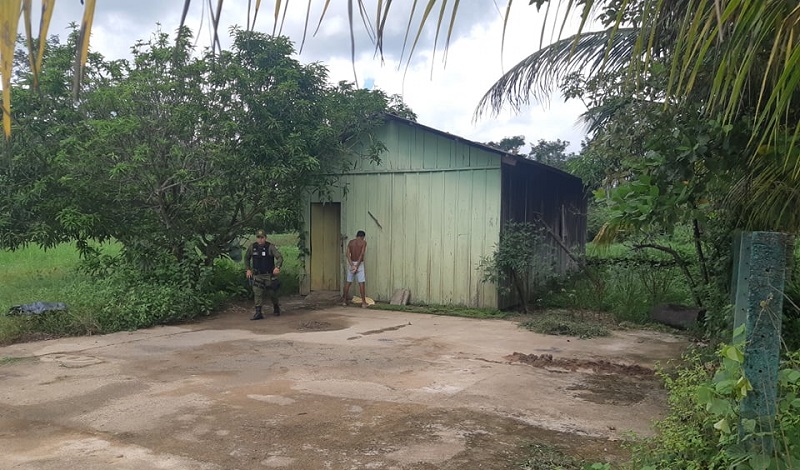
{"x":261,"y":233}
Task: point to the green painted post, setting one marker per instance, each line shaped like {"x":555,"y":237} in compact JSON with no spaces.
{"x":759,"y":303}
{"x":741,"y":272}
{"x":735,"y":256}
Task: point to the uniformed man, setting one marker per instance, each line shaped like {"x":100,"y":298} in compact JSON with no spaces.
{"x":263,"y":262}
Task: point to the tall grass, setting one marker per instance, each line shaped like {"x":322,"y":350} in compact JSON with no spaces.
{"x":32,"y":273}
{"x":632,"y":283}
{"x":117,"y":301}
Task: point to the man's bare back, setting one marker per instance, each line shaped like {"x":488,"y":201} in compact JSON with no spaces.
{"x":356,"y":249}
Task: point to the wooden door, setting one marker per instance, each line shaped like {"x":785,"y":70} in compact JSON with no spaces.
{"x":325,"y":249}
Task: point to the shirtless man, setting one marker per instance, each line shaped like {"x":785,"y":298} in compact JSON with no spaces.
{"x":355,"y":263}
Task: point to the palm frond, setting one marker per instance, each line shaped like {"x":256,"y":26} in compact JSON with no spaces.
{"x":82,"y":54}
{"x":27,"y":5}
{"x":9,"y":19}
{"x":752,"y":49}
{"x":44,"y":27}
{"x":535,"y":77}
{"x":610,"y":232}
{"x":768,"y":196}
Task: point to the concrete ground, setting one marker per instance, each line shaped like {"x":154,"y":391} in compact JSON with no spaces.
{"x":328,"y":388}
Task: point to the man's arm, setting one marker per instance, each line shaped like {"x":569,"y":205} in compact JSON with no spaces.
{"x":361,"y":257}
{"x":348,"y":255}
{"x":273,"y":250}
{"x":247,"y":255}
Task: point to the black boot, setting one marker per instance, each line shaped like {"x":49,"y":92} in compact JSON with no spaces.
{"x":257,"y":315}
{"x":276,"y":309}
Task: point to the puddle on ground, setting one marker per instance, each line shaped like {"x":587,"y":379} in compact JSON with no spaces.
{"x":383,"y":330}
{"x":314,"y":325}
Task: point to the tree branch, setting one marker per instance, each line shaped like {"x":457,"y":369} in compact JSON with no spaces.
{"x":681,"y":264}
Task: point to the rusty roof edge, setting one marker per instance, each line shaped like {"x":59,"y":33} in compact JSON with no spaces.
{"x":489,"y":148}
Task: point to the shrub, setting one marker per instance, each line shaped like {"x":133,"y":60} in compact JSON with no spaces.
{"x":686,"y":437}
{"x":631,"y":287}
{"x":126,"y":296}
{"x":703,"y":429}
{"x":522,"y":261}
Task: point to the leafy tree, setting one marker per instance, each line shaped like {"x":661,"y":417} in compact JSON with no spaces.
{"x":551,"y":152}
{"x":174,"y":153}
{"x":521,"y":263}
{"x":509,"y":144}
{"x":34,"y":183}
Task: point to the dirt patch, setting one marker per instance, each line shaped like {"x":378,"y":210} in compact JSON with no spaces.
{"x":602,"y":382}
{"x":547,"y":361}
{"x":614,"y":389}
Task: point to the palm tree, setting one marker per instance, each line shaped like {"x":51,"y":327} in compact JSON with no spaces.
{"x":750,"y":47}
{"x":730,"y":76}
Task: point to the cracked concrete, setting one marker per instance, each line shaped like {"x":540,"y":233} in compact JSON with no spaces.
{"x":333,"y":388}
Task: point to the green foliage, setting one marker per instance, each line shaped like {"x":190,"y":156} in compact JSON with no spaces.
{"x":521,"y":261}
{"x":686,"y":437}
{"x":633,"y":282}
{"x":549,"y":152}
{"x":596,"y":216}
{"x":176,"y":151}
{"x":703,"y":429}
{"x":109,"y":292}
{"x":509,"y":144}
{"x":545,"y":457}
{"x":447,"y":310}
{"x":124,"y":297}
{"x":552,"y":153}
{"x":566,"y":324}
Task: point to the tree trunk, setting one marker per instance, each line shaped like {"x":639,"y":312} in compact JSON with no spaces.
{"x":698,"y":245}
{"x":517,"y":283}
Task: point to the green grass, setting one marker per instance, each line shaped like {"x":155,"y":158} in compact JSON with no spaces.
{"x":546,"y":457}
{"x":453,"y":311}
{"x":32,"y":274}
{"x":582,"y":325}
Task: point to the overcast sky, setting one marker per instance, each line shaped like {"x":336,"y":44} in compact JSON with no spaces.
{"x":444,"y":96}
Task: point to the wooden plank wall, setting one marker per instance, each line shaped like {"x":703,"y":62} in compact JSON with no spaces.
{"x":431,"y":211}
{"x":533,"y":192}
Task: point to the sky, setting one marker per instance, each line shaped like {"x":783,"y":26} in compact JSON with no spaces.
{"x":443,"y":95}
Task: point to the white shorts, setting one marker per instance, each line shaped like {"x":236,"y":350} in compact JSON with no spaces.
{"x":359,"y":275}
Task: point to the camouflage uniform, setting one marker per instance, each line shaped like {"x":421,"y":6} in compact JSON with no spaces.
{"x":261,"y":259}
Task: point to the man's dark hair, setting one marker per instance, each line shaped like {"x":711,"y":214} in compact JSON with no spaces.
{"x":361,"y":233}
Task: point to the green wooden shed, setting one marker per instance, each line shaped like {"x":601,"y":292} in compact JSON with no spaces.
{"x":432,"y":209}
